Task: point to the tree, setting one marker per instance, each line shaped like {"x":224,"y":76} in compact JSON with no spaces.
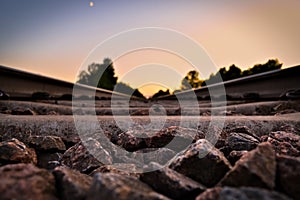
{"x":92,"y":76}
{"x":191,"y":80}
{"x":272,"y":64}
{"x":235,"y":72}
{"x":232,"y":73}
{"x":107,"y":80}
{"x":160,"y":93}
{"x":126,"y":89}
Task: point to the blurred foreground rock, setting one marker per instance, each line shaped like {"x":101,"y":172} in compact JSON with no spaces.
{"x":71,"y":184}
{"x":116,"y":186}
{"x":25,"y":181}
{"x":243,"y":193}
{"x":288,"y":175}
{"x":171,"y":183}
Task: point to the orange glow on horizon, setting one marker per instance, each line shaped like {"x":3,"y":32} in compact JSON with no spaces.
{"x":150,"y":89}
{"x":174,"y":66}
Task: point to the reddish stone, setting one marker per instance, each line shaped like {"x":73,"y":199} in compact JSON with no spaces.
{"x":47,"y":143}
{"x":256,"y":168}
{"x":78,"y":157}
{"x":14,"y":151}
{"x":170,"y":183}
{"x":210,"y":194}
{"x":71,"y":184}
{"x":283,"y":148}
{"x":25,"y":181}
{"x":288,"y":175}
{"x":201,"y":162}
{"x":122,"y":187}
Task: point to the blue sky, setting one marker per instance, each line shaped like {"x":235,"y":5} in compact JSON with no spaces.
{"x":53,"y":37}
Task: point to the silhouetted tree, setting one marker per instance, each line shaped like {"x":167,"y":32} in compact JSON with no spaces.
{"x":234,"y":72}
{"x":160,"y":93}
{"x":91,"y":77}
{"x":272,"y":64}
{"x":108,"y":80}
{"x":126,"y":89}
{"x":191,"y":80}
{"x":137,"y":93}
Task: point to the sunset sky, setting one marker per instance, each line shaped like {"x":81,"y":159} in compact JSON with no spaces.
{"x":54,"y":37}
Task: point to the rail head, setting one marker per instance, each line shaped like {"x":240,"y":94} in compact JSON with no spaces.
{"x":294,"y":71}
{"x":7,"y":72}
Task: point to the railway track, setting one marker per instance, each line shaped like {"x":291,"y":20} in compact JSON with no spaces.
{"x":24,"y":85}
{"x":275,"y":84}
{"x":272,"y":85}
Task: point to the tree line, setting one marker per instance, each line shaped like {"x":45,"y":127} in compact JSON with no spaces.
{"x":234,"y":72}
{"x":109,"y":80}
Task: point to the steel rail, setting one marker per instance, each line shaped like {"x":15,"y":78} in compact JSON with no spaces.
{"x":276,"y":84}
{"x":19,"y":84}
